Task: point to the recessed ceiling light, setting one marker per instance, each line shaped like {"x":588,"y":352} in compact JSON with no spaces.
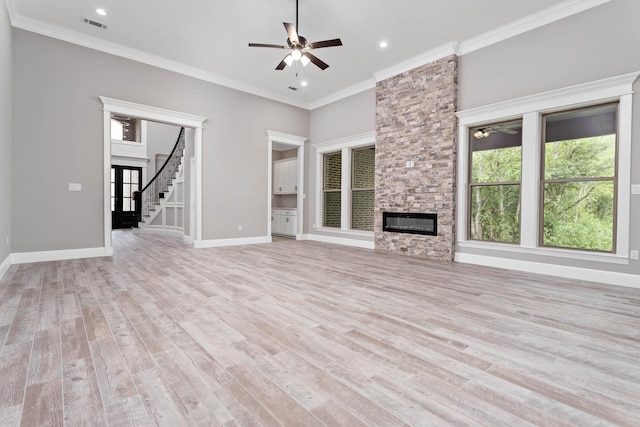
{"x":101,"y":12}
{"x":303,"y":83}
{"x":383,"y":44}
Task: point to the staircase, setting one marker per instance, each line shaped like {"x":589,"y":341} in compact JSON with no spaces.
{"x":160,"y":204}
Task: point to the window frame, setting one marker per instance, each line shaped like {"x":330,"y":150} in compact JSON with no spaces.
{"x":346,"y":145}
{"x":353,"y":189}
{"x":531,"y":109}
{"x":333,"y":190}
{"x":470,"y":184}
{"x":614,"y":179}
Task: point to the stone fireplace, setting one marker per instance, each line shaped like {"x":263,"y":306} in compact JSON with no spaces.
{"x":416,"y":156}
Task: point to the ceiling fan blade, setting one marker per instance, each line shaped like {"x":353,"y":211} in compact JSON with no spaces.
{"x":292,"y":32}
{"x":281,"y":65}
{"x":321,"y":64}
{"x":277,"y":46}
{"x":325,"y":43}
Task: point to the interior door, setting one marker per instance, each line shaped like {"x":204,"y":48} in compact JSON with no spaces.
{"x":124,"y":181}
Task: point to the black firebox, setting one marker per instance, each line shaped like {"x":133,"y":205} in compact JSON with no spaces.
{"x":414,"y":223}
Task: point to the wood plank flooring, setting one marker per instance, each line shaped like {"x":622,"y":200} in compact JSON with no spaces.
{"x":309,"y":334}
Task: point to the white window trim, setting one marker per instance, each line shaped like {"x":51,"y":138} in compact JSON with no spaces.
{"x":530,"y":109}
{"x":346,"y":145}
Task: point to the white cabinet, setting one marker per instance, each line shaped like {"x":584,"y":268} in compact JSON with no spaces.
{"x":283,"y":222}
{"x":285,"y":176}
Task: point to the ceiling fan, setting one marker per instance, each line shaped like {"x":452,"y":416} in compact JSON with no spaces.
{"x":299,"y":47}
{"x":485,"y":132}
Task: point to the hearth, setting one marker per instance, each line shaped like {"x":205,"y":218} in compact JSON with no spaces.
{"x":413,"y":223}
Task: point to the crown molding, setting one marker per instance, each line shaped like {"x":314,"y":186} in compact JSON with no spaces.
{"x":74,"y":37}
{"x":531,"y":22}
{"x":547,"y":16}
{"x":345,"y":93}
{"x":417,"y":61}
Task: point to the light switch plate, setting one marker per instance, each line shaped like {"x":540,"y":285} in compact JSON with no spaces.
{"x":635,"y":189}
{"x":75,"y":187}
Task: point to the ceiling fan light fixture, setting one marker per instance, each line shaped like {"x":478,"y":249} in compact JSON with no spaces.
{"x":296,"y":54}
{"x":288,"y":60}
{"x":305,"y":61}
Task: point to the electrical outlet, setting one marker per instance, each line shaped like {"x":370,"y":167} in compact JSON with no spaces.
{"x":239,"y":228}
{"x":635,"y":189}
{"x":634,"y":254}
{"x":75,"y":187}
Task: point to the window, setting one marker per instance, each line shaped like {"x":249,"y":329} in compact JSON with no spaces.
{"x":575,"y":175}
{"x":345,"y":177}
{"x":363,"y":176}
{"x":578,"y":179}
{"x":494,"y":185}
{"x":332,"y":188}
{"x":125,"y":128}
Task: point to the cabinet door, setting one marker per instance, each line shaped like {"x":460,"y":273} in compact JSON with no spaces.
{"x":289,"y":225}
{"x":276,"y":223}
{"x":279,"y":177}
{"x":292,"y":176}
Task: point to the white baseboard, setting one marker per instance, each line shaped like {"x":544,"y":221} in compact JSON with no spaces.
{"x":340,"y":241}
{"x":218,"y":243}
{"x":4,"y":267}
{"x":151,"y":229}
{"x":608,"y":277}
{"x":187,"y":239}
{"x":27,"y":257}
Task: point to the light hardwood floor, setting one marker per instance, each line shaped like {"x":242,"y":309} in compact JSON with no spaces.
{"x":310,"y":334}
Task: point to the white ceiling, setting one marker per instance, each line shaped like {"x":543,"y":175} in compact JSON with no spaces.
{"x":208,"y":38}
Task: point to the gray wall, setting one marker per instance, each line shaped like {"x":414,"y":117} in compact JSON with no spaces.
{"x":5,"y":133}
{"x":58,"y":139}
{"x":348,"y":117}
{"x":599,"y":43}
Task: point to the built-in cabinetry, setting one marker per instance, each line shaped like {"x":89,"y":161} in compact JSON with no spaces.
{"x":285,"y":176}
{"x":283,"y":221}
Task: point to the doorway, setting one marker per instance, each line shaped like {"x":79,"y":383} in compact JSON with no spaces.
{"x":114,"y":106}
{"x":124,"y":181}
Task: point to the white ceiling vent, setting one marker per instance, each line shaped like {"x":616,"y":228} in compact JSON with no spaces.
{"x":94,"y":23}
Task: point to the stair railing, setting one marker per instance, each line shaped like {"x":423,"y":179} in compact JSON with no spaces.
{"x":147,"y":199}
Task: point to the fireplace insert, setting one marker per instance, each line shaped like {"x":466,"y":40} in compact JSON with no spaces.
{"x":414,"y":223}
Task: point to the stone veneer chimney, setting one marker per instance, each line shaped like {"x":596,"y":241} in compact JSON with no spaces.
{"x":416,"y":122}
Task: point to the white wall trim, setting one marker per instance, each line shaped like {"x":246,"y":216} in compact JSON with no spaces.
{"x":4,"y":266}
{"x":152,"y":113}
{"x":148,"y":112}
{"x":345,"y":145}
{"x":619,"y":88}
{"x":95,"y":43}
{"x":275,"y":137}
{"x":599,"y":276}
{"x":29,"y":257}
{"x":161,"y":230}
{"x":547,"y":16}
{"x":531,"y":22}
{"x":340,"y":241}
{"x":219,"y":243}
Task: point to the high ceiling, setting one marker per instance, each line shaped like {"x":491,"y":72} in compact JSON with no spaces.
{"x":208,"y":38}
